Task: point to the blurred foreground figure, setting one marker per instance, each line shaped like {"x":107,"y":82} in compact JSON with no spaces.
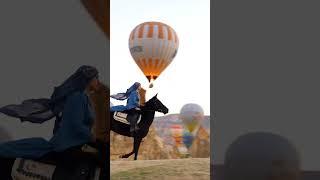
{"x":73,"y":129}
{"x":71,"y":104}
{"x":262,"y":156}
{"x":4,"y":135}
{"x":100,"y":12}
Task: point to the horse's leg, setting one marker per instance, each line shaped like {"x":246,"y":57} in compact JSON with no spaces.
{"x":129,"y":154}
{"x":137,"y":142}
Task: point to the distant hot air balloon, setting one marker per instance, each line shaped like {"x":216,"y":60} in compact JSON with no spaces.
{"x":187,"y":138}
{"x":176,"y":132}
{"x":191,"y":116}
{"x":153,"y":46}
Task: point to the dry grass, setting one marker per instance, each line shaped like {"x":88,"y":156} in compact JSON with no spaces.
{"x":173,"y":169}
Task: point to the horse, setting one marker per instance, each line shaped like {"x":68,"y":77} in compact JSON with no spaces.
{"x":147,"y":116}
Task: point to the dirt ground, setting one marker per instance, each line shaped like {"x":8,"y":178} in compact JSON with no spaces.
{"x":171,"y":169}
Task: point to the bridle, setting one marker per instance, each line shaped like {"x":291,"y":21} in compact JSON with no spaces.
{"x":144,"y":109}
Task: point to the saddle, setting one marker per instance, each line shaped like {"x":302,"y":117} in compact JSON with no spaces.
{"x":31,"y":170}
{"x":46,"y":168}
{"x":123,"y":117}
{"x":24,"y":169}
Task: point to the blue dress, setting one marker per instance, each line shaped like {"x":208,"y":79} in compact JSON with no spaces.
{"x":132,"y":102}
{"x":75,"y":130}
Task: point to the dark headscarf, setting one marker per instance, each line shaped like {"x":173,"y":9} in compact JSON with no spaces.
{"x":76,"y":82}
{"x":43,"y":109}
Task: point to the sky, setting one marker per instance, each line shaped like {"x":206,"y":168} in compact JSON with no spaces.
{"x":187,"y":79}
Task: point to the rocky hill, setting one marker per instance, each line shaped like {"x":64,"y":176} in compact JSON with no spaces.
{"x":152,"y":147}
{"x":163,"y":143}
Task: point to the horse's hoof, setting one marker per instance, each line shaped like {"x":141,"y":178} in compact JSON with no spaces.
{"x":123,"y":156}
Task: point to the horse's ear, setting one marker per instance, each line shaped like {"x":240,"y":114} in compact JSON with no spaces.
{"x":156,"y":95}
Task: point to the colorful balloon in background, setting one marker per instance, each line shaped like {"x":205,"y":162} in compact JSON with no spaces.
{"x":187,"y":138}
{"x":176,"y":132}
{"x":191,"y":116}
{"x":153,"y":46}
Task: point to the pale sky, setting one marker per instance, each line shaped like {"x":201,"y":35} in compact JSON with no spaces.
{"x":187,"y":79}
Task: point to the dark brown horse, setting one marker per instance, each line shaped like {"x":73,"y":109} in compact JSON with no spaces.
{"x":147,"y":116}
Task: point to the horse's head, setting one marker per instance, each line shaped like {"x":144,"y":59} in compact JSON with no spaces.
{"x":155,"y":104}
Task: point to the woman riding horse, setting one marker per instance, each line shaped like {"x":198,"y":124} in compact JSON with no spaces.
{"x":73,"y":131}
{"x":135,"y":96}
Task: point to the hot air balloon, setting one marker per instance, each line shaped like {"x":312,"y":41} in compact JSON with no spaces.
{"x":191,"y":116}
{"x":176,"y":132}
{"x":187,"y":139}
{"x":153,"y":46}
{"x":100,"y":12}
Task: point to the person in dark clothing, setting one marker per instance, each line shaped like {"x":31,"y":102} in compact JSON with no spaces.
{"x":74,"y":129}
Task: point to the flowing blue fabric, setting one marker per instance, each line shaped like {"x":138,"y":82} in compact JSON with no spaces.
{"x":132,"y":102}
{"x":132,"y":97}
{"x":124,"y":96}
{"x":75,"y":129}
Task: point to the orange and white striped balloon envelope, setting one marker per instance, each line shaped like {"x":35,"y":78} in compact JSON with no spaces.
{"x":153,"y":46}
